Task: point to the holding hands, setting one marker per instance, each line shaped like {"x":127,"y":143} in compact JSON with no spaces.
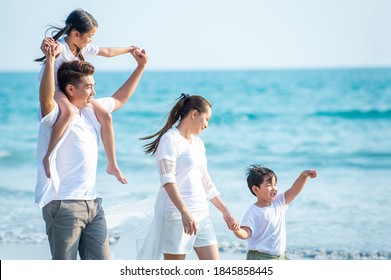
{"x":50,"y":47}
{"x":139,"y":55}
{"x":231,"y":222}
{"x":190,"y":226}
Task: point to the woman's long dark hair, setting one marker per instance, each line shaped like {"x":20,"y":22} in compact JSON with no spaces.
{"x":181,"y":109}
{"x":79,"y":20}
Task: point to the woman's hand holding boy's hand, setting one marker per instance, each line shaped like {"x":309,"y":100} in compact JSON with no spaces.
{"x":231,"y":222}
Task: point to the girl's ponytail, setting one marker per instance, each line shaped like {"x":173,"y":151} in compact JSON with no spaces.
{"x":56,"y":36}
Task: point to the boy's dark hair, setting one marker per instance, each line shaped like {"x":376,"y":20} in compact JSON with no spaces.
{"x":256,"y":175}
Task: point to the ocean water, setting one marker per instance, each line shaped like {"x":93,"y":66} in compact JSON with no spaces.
{"x":337,"y":121}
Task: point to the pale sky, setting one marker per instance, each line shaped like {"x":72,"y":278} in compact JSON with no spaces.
{"x":211,"y":34}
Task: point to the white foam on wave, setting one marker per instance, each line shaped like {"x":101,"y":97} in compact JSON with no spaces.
{"x":5,"y":154}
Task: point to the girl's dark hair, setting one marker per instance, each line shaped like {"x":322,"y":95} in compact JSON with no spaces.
{"x":79,"y":20}
{"x":256,"y":175}
{"x":181,"y":109}
{"x":72,"y":72}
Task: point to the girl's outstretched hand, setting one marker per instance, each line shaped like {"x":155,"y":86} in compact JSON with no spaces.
{"x":140,"y":55}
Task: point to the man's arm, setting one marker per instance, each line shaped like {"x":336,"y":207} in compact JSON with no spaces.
{"x":122,"y":95}
{"x":46,"y":88}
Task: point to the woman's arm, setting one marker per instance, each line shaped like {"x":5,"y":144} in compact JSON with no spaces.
{"x":189,"y":224}
{"x":227,"y":216}
{"x":214,"y":196}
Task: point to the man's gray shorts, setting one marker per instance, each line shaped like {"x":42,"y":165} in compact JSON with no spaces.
{"x":73,"y":225}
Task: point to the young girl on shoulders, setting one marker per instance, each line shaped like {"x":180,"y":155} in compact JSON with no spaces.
{"x":75,"y":42}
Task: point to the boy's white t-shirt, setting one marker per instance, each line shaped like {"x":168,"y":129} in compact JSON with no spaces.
{"x":67,"y":56}
{"x":268,"y":227}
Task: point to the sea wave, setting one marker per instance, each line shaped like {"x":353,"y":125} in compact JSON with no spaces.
{"x":320,"y":254}
{"x":233,"y":117}
{"x":357,"y":114}
{"x":5,"y":154}
{"x":7,"y":194}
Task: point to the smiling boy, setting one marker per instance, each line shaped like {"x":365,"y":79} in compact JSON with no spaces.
{"x":263,"y":224}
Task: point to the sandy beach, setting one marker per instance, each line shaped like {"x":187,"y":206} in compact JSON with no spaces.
{"x":41,"y":251}
{"x":34,"y":259}
{"x":10,"y":251}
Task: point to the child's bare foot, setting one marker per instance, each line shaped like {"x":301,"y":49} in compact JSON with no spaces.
{"x":115,"y":171}
{"x":46,"y":166}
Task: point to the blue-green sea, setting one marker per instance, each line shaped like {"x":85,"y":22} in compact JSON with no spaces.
{"x":337,"y":121}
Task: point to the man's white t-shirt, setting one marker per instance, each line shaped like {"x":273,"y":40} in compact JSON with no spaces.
{"x":74,"y":160}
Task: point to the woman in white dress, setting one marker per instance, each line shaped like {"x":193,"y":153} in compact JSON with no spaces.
{"x":182,"y":206}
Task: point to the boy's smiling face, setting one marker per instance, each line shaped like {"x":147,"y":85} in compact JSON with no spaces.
{"x":266,"y":192}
